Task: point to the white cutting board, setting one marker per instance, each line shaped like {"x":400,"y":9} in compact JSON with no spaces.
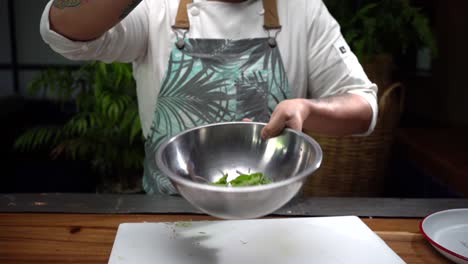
{"x":344,"y":240}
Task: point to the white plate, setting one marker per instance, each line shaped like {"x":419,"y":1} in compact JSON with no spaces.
{"x":447,"y":231}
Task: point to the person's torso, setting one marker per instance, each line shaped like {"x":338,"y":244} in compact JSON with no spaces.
{"x":220,"y":20}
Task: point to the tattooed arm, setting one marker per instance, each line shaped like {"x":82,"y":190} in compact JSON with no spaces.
{"x":340,"y":115}
{"x":88,"y":19}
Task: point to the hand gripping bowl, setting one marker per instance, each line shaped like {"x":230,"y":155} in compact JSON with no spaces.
{"x":197,"y":157}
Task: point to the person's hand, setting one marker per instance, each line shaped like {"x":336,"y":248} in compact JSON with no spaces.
{"x":288,"y":114}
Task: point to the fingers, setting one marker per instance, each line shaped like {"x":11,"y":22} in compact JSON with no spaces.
{"x":295,"y":124}
{"x":275,"y":125}
{"x":289,"y":113}
{"x":278,"y":122}
{"x":246,"y":120}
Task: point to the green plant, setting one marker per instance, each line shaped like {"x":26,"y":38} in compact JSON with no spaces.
{"x":105,"y":130}
{"x":383,"y":26}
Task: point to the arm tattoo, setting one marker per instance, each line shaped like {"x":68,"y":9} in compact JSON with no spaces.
{"x":62,"y":4}
{"x":129,"y":8}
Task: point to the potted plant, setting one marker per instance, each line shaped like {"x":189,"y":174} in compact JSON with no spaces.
{"x":105,"y":129}
{"x":380,"y":30}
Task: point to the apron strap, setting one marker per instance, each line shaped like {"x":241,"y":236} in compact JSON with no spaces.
{"x":182,"y":20}
{"x":271,"y":18}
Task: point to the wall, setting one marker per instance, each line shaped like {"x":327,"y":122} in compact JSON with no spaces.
{"x":32,"y":52}
{"x":441,"y":99}
{"x":452,"y":28}
{"x":6,"y":82}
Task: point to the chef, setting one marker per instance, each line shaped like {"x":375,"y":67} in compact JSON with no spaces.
{"x":282,"y":62}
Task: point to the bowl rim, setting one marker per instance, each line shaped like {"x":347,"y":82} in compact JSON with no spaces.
{"x":430,"y":238}
{"x":182,"y":181}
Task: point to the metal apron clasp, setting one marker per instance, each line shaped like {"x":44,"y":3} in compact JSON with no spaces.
{"x":272,"y":39}
{"x":180,"y":38}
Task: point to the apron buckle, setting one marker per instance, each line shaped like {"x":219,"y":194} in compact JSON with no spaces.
{"x":272,"y":39}
{"x":180,"y":43}
{"x":272,"y":42}
{"x":180,"y":38}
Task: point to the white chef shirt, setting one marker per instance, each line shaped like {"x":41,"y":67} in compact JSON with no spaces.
{"x":317,"y":59}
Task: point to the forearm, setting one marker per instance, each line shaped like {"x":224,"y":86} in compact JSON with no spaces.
{"x":338,"y":115}
{"x":86,"y":20}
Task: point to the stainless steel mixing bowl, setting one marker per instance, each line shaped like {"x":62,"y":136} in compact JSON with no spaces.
{"x":199,"y":156}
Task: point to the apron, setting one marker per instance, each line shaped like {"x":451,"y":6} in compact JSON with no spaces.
{"x":214,"y":80}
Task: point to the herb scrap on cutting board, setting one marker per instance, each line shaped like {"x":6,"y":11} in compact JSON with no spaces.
{"x":183,"y":224}
{"x":243,"y":180}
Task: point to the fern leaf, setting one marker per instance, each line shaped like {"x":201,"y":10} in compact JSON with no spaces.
{"x":135,"y":130}
{"x":35,"y":138}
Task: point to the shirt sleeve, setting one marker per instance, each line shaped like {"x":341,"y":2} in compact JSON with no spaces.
{"x":332,"y":67}
{"x":125,"y":42}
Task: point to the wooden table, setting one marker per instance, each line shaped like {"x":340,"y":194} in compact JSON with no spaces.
{"x":81,"y":228}
{"x":88,"y":238}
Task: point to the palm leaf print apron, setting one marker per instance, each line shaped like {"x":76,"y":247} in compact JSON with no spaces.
{"x":211,"y":81}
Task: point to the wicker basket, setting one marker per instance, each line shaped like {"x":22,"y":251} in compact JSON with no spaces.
{"x":356,"y":166}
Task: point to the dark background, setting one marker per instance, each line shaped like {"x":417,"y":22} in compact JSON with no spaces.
{"x":436,"y":98}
